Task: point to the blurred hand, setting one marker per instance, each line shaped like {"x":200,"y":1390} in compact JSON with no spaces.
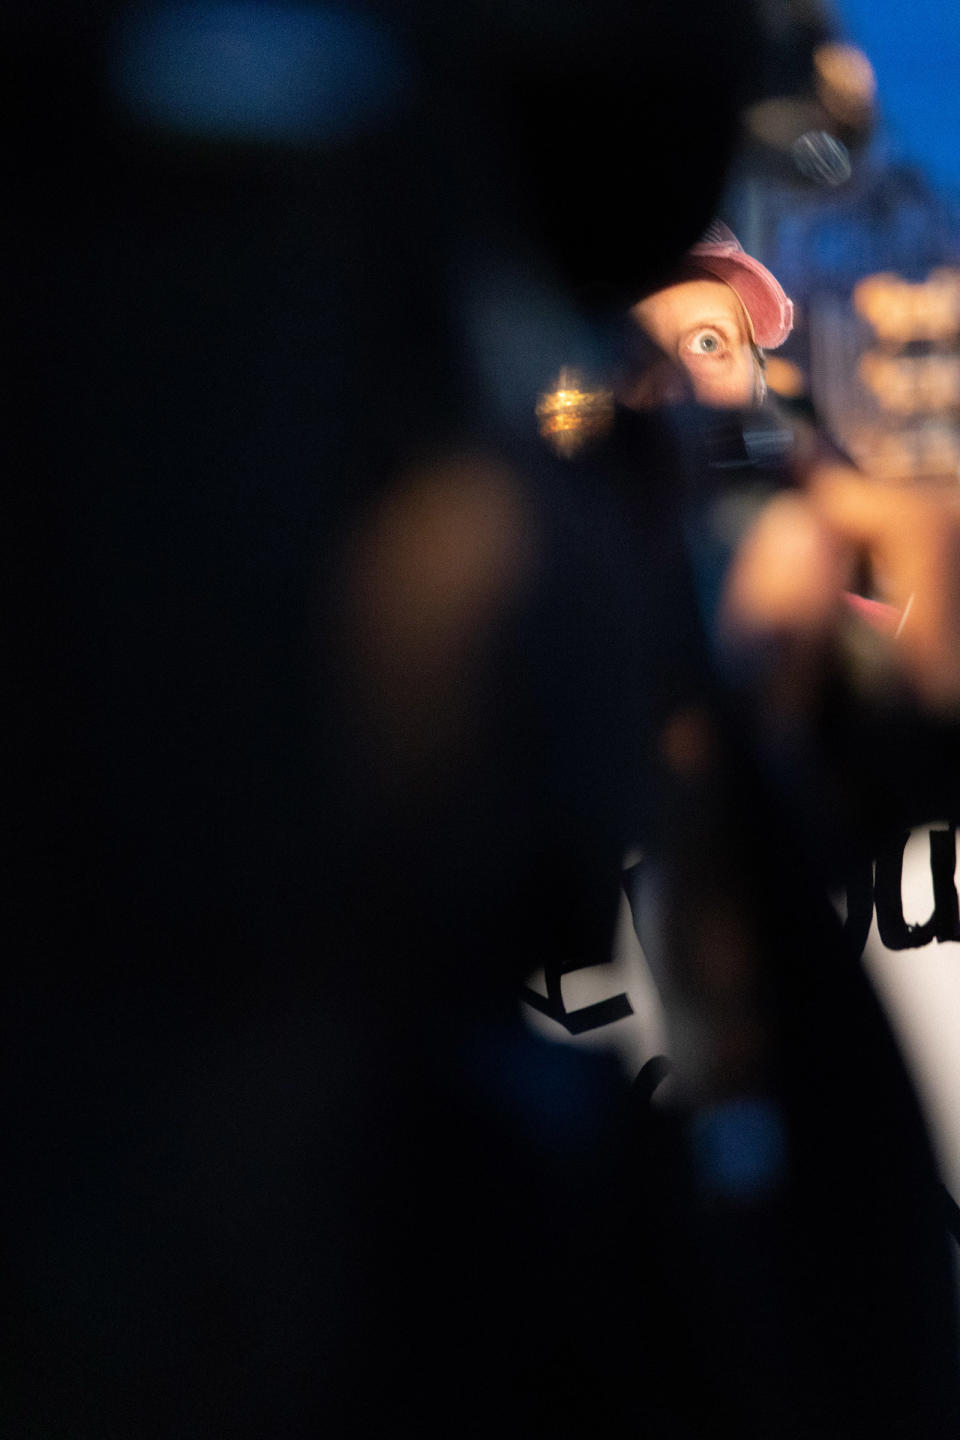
{"x":911,"y":534}
{"x":785,"y":591}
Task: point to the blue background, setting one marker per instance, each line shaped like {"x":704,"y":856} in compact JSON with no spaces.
{"x":914,"y":46}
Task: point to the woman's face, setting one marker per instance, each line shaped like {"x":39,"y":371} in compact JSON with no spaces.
{"x":702,"y":330}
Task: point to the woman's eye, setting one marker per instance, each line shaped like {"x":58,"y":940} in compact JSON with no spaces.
{"x":706,"y":342}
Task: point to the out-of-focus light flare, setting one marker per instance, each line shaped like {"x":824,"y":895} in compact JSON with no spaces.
{"x":572,"y":414}
{"x":778,"y":121}
{"x":785,"y":378}
{"x":688,"y":743}
{"x":926,"y":451}
{"x":254,"y":70}
{"x":432,"y":566}
{"x":822,"y":158}
{"x":846,"y":84}
{"x":740,"y":1148}
{"x":916,"y":393}
{"x":912,"y":384}
{"x":900,"y":312}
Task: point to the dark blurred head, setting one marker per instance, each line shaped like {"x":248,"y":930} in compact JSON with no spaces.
{"x":601,"y":128}
{"x":235,"y":330}
{"x":612,"y":122}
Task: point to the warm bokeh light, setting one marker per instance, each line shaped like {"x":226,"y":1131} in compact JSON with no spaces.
{"x":901,"y":312}
{"x":778,"y":121}
{"x":573,"y":413}
{"x":430,"y":569}
{"x":927,"y":451}
{"x":846,"y":84}
{"x":785,"y":378}
{"x":911,"y":384}
{"x":911,"y":376}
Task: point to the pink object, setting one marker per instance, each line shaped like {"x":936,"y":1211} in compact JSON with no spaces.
{"x":876,"y":613}
{"x":721,"y":255}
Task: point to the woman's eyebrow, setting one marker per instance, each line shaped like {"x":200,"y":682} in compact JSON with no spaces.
{"x":707,"y":324}
{"x":728,"y":325}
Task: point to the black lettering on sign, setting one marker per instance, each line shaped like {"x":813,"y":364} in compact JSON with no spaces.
{"x":943,"y":864}
{"x":856,"y":926}
{"x":588,"y":1017}
{"x":575,"y":1022}
{"x":896,"y":932}
{"x":656,"y":1069}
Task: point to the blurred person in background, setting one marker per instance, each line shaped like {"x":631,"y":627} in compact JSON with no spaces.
{"x":331,"y":687}
{"x":813,"y":730}
{"x":708,"y":328}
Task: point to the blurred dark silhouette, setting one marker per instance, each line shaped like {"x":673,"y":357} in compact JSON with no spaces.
{"x":298,"y":799}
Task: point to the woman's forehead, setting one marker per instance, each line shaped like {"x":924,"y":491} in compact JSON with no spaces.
{"x":691,"y":302}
